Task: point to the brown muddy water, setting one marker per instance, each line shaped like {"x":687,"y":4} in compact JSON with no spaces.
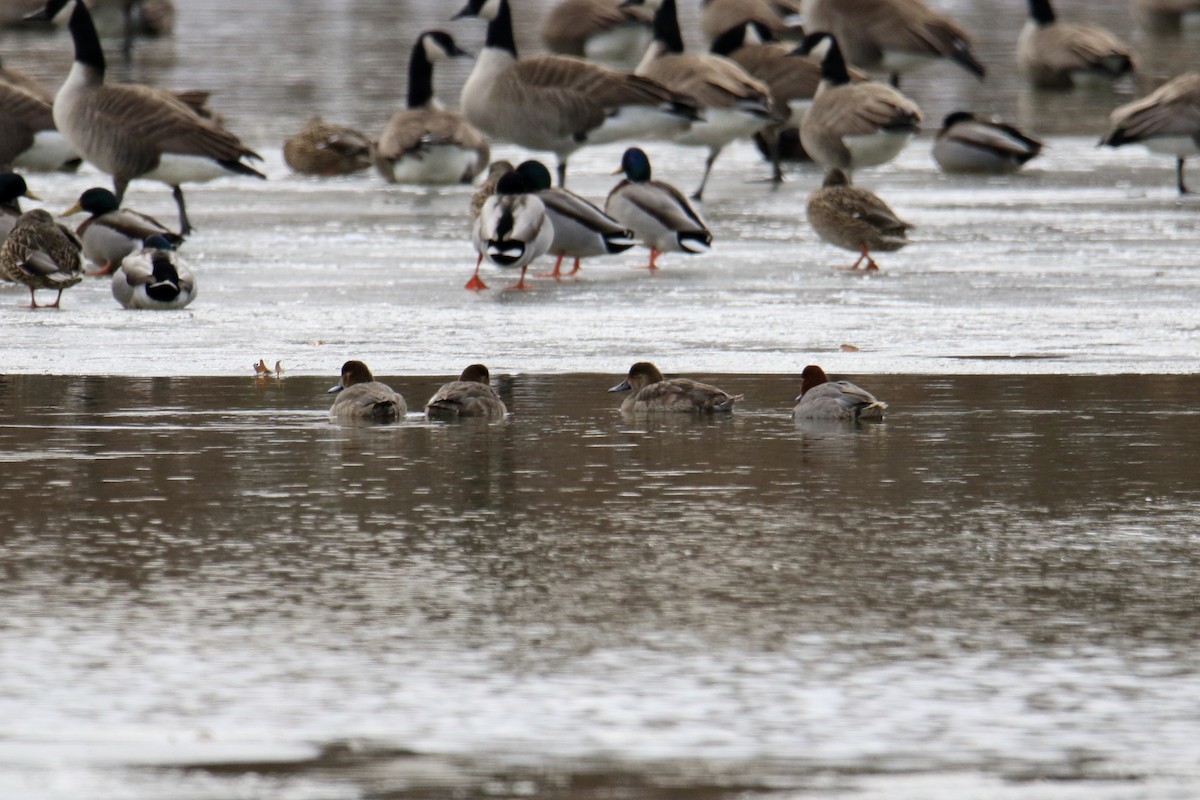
{"x":212,"y":591}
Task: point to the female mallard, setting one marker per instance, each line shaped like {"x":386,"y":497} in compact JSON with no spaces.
{"x":512,"y":229}
{"x":361,"y":397}
{"x":1165,"y":121}
{"x":970,"y":143}
{"x":821,"y":398}
{"x":154,"y":279}
{"x":658,"y":213}
{"x":111,"y":232}
{"x":855,"y":219}
{"x":580,"y":229}
{"x":471,"y":395}
{"x":1058,"y":55}
{"x":42,"y":254}
{"x":425,"y":143}
{"x":652,"y":392}
{"x":12,"y":189}
{"x":326,"y":148}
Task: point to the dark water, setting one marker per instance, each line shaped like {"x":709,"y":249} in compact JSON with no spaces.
{"x":998,"y":581}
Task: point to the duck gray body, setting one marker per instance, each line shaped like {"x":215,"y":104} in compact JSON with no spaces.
{"x":651,"y":392}
{"x":154,"y":279}
{"x":471,"y":395}
{"x":821,"y":398}
{"x":969,"y":143}
{"x":361,"y":397}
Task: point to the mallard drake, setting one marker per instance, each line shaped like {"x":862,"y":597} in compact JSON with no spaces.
{"x":361,"y":397}
{"x":28,"y":138}
{"x":658,"y":213}
{"x":853,"y":125}
{"x":471,"y":395}
{"x":559,"y":104}
{"x":12,"y":188}
{"x":1058,"y":55}
{"x":821,"y":398}
{"x":778,"y":17}
{"x":326,"y":148}
{"x":733,"y":104}
{"x":512,"y":229}
{"x":425,"y":143}
{"x":892,"y":36}
{"x":580,"y":229}
{"x":970,"y":143}
{"x":1165,"y":121}
{"x":607,"y":31}
{"x":855,"y":219}
{"x":131,"y":131}
{"x":42,"y":254}
{"x":154,"y":278}
{"x":111,"y":232}
{"x":652,"y":392}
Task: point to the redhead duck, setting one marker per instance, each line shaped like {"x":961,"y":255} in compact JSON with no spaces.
{"x":361,"y":397}
{"x":652,"y":392}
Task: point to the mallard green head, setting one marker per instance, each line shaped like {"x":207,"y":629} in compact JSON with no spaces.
{"x":535,"y":174}
{"x":95,"y":201}
{"x":636,"y":165}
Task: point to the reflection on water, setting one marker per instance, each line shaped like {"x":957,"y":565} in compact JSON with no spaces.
{"x":999,"y":580}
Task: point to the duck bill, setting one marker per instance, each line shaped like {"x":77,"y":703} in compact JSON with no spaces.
{"x":75,"y":209}
{"x":623,"y":386}
{"x":337,"y":387}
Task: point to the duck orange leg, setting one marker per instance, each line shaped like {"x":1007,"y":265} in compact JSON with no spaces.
{"x":576,"y":269}
{"x":476,"y":283}
{"x":521,"y":283}
{"x":871,"y":265}
{"x":556,"y":273}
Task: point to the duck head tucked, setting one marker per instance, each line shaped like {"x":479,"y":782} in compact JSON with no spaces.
{"x":476,"y":373}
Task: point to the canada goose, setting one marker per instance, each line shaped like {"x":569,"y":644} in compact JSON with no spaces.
{"x":1164,"y":16}
{"x":580,"y":229}
{"x":598,"y":30}
{"x":361,"y":397}
{"x":657,"y":212}
{"x":512,"y":229}
{"x":557,"y":103}
{"x":778,"y":17}
{"x":28,"y":138}
{"x":41,"y":254}
{"x":821,"y":398}
{"x":133,"y":131}
{"x":471,"y":395}
{"x":1165,"y":121}
{"x":651,"y":392}
{"x":853,"y":125}
{"x":970,"y":143}
{"x":1058,"y":55}
{"x":326,"y":148}
{"x":893,"y":36}
{"x":855,"y":219}
{"x":124,"y":18}
{"x":733,"y":104}
{"x":12,"y":188}
{"x":111,"y":233}
{"x":154,"y":278}
{"x":425,"y":143}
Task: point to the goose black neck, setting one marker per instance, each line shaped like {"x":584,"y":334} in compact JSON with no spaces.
{"x":420,"y":76}
{"x":1041,"y":12}
{"x":87,"y":41}
{"x":729,"y":41}
{"x":833,"y":66}
{"x":500,"y":30}
{"x":666,"y":27}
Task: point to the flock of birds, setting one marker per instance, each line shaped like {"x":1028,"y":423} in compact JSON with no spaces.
{"x":362,"y":398}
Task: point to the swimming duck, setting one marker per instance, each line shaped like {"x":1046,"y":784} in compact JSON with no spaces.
{"x":512,"y":229}
{"x":12,"y":188}
{"x":580,"y":229}
{"x":652,"y":392}
{"x":1165,"y":121}
{"x":131,"y":131}
{"x":852,"y":125}
{"x":821,"y":398}
{"x":1058,"y":55}
{"x":970,"y":143}
{"x":658,"y":213}
{"x":361,"y":397}
{"x":894,"y":36}
{"x":154,"y":278}
{"x":560,"y":104}
{"x":111,"y":233}
{"x":42,"y":254}
{"x":326,"y":148}
{"x":425,"y":143}
{"x":471,"y":395}
{"x":855,"y":219}
{"x":733,"y":104}
{"x":607,"y":31}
